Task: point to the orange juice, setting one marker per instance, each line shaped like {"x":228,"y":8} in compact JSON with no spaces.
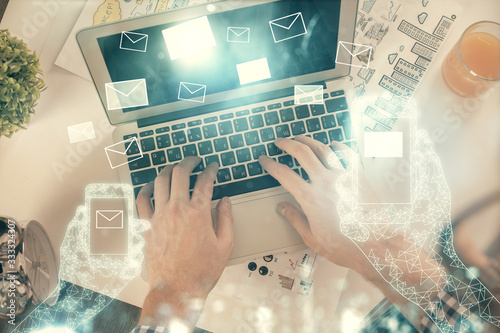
{"x":473,"y":64}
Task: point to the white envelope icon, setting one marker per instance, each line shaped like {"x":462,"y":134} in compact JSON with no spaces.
{"x":133,"y":41}
{"x":308,"y":94}
{"x":238,"y":35}
{"x":192,"y":92}
{"x":344,"y":53}
{"x":126,"y":94}
{"x":189,"y":38}
{"x":117,"y":153}
{"x":109,"y":219}
{"x":288,"y":27}
{"x":253,"y":71}
{"x":81,"y":132}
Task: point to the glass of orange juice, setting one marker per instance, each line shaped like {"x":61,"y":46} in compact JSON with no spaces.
{"x":473,"y":65}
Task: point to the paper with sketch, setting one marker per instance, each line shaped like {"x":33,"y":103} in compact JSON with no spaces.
{"x":405,"y":36}
{"x":98,"y":12}
{"x":275,"y":292}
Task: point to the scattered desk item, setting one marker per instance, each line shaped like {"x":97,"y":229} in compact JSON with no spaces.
{"x":473,"y":65}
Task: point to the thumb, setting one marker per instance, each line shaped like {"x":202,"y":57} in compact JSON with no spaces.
{"x":297,"y":219}
{"x":224,"y":221}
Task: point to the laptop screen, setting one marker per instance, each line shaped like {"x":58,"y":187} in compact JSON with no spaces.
{"x":189,"y":60}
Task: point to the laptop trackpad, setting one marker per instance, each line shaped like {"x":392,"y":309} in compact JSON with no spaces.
{"x":260,"y":229}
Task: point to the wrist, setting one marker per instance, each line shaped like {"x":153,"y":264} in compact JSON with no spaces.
{"x":163,"y":307}
{"x":376,"y":251}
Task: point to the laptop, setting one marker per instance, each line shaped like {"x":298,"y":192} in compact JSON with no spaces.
{"x":221,"y":81}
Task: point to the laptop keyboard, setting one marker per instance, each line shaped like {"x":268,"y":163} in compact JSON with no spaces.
{"x":236,"y":139}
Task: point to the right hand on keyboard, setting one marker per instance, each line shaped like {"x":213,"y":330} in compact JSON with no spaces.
{"x":316,"y":220}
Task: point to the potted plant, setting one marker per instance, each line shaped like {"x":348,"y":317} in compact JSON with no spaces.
{"x":20,"y":85}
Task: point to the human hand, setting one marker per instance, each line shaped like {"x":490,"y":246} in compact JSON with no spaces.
{"x":317,"y":219}
{"x":185,"y":253}
{"x":98,"y":273}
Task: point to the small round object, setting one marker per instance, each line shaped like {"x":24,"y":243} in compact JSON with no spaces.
{"x":40,"y":265}
{"x":268,"y":258}
{"x":252,"y":266}
{"x":263,"y":270}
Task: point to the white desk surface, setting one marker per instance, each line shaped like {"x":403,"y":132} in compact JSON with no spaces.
{"x":31,"y":189}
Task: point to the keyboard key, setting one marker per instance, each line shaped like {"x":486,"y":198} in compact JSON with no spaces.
{"x":148,"y":144}
{"x":194,"y":123}
{"x":140,"y":163}
{"x":242,"y":113}
{"x":252,"y":138}
{"x":313,"y":125}
{"x":205,"y":148}
{"x":282,"y":131}
{"x":174,"y":154}
{"x":163,"y":141}
{"x":321,"y":137}
{"x":209,"y":131}
{"x":220,"y":144}
{"x":288,"y":103}
{"x":129,"y":136}
{"x":178,"y":126}
{"x":256,"y":121}
{"x":244,"y":186}
{"x":236,"y":141}
{"x":302,"y":111}
{"x":227,"y":158}
{"x":178,"y":138}
{"x":287,"y":115}
{"x":211,"y":159}
{"x":267,"y":134}
{"x":161,"y":168}
{"x":258,"y":109}
{"x":240,"y":124}
{"x":325,"y":96}
{"x":143,"y":176}
{"x":194,"y":134}
{"x":273,"y":150}
{"x":336,"y":104}
{"x":298,"y":128}
{"x":317,"y":109}
{"x":162,"y":130}
{"x":271,"y":118}
{"x":226,"y":116}
{"x":304,"y":174}
{"x":137,"y":190}
{"x":225,"y":128}
{"x":336,"y":135}
{"x":239,"y":172}
{"x":146,"y":133}
{"x":257,"y":151}
{"x":223,"y":175}
{"x":189,"y":150}
{"x":192,"y":181}
{"x":210,"y":120}
{"x":344,"y":120}
{"x":131,"y":147}
{"x":287,"y":160}
{"x":274,"y":106}
{"x":200,"y":167}
{"x":158,"y":157}
{"x":254,"y":169}
{"x":243,"y":155}
{"x":337,"y":93}
{"x":328,"y":121}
